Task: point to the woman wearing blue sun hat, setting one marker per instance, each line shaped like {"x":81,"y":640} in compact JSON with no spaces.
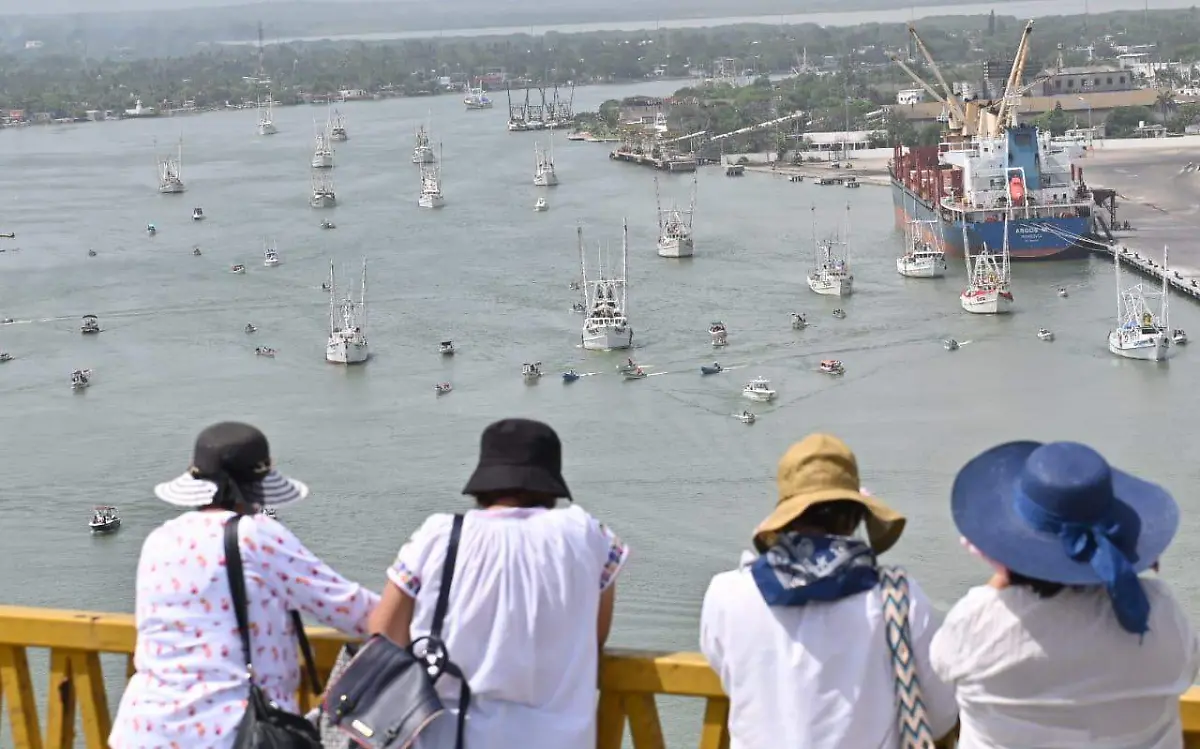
{"x":1067,"y":645}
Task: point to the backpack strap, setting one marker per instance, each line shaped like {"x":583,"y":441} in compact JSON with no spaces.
{"x":439,"y":618}
{"x":911,"y":716}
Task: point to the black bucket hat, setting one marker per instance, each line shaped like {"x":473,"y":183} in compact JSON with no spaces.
{"x":519,"y":454}
{"x":231,"y":455}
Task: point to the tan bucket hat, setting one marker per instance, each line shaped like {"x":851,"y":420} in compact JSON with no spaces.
{"x":818,"y":469}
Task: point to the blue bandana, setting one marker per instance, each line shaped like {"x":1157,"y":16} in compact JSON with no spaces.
{"x":803,"y":567}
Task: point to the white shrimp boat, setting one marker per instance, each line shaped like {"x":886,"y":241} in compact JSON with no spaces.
{"x":606,"y":325}
{"x":745,"y":417}
{"x":1045,"y":334}
{"x":541,"y":205}
{"x":431,"y":186}
{"x":323,"y":195}
{"x":337,"y":127}
{"x":105,"y":519}
{"x":197,"y":214}
{"x":719,"y":334}
{"x":531,"y":371}
{"x":446,"y":348}
{"x":543,"y":165}
{"x":832,"y":275}
{"x":170,"y":173}
{"x":81,"y":378}
{"x":759,"y":389}
{"x":347,"y":324}
{"x":476,"y":98}
{"x":270,"y":254}
{"x":990,"y":288}
{"x":442,"y":388}
{"x":921,"y":258}
{"x":1139,"y":333}
{"x":266,"y":116}
{"x":322,"y":157}
{"x":423,"y":149}
{"x":675,"y":226}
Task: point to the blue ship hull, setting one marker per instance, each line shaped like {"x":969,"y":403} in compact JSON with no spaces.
{"x":1028,"y":239}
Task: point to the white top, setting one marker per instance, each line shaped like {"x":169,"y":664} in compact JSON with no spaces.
{"x":190,"y":688}
{"x":521,"y":622}
{"x":818,"y":676}
{"x":1060,"y":672}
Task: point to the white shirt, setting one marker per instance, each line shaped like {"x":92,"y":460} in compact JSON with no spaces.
{"x":817,"y":676}
{"x":190,"y":688}
{"x":521,"y":622}
{"x":1060,"y":673}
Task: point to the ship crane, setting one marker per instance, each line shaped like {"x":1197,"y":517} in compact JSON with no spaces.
{"x":741,"y":131}
{"x":953,"y":110}
{"x":1006,"y":114}
{"x":951,"y":100}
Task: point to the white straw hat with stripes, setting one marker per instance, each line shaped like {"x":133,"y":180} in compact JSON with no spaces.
{"x":237,"y":455}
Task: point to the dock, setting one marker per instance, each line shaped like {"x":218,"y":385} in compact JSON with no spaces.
{"x":1152,"y":269}
{"x":666,"y":162}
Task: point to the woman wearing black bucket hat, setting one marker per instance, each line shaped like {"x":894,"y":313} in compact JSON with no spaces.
{"x":1066,"y":646}
{"x":191,"y":686}
{"x":530,"y":602}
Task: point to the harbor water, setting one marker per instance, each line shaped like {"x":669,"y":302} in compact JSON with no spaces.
{"x":661,"y":459}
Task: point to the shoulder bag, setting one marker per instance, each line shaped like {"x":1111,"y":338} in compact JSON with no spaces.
{"x":912,"y":719}
{"x":387,"y":695}
{"x":264,"y":725}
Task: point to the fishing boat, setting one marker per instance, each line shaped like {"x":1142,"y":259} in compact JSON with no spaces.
{"x":922,"y":258}
{"x":606,"y":298}
{"x":799,"y":321}
{"x":239,"y":268}
{"x":759,"y":389}
{"x":347,"y":324}
{"x":105,"y":519}
{"x":197,"y":214}
{"x":337,"y":127}
{"x":675,"y":226}
{"x":251,"y":327}
{"x":1044,"y":334}
{"x":323,"y":195}
{"x":267,"y":511}
{"x":422,"y":149}
{"x":719,"y":334}
{"x":745,"y":417}
{"x":531,"y":371}
{"x":266,"y":116}
{"x":196,"y":252}
{"x":1139,"y":333}
{"x":716,"y":368}
{"x":81,"y":378}
{"x":5,"y":356}
{"x":446,"y":348}
{"x":578,"y":307}
{"x":322,"y":157}
{"x":570,"y":375}
{"x":442,"y":388}
{"x":1062,"y":292}
{"x":839,"y":313}
{"x":270,"y":254}
{"x":832,"y":367}
{"x":1179,"y":337}
{"x":170,"y":172}
{"x":90,"y":325}
{"x":831,"y":276}
{"x":7,"y":321}
{"x":950,"y":344}
{"x":627,"y":366}
{"x":266,"y":351}
{"x":151,"y":229}
{"x":431,"y":186}
{"x":541,"y":205}
{"x":637,"y":374}
{"x":851,"y":182}
{"x":91,"y":253}
{"x":475,"y":97}
{"x":989,"y":289}
{"x":543,"y":165}
{"x":327,"y":224}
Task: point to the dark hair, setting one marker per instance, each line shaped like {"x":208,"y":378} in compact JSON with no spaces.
{"x":840,"y":517}
{"x":1041,"y":588}
{"x":522,"y":498}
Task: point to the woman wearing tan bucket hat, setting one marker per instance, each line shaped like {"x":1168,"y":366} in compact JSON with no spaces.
{"x":798,"y":633}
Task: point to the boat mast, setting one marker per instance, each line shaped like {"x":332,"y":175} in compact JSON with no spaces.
{"x":1004,"y":271}
{"x":362,"y":300}
{"x":1166,"y":287}
{"x":846,"y":243}
{"x":816,"y":253}
{"x":658,"y":205}
{"x":1117,"y":270}
{"x":583,"y":269}
{"x":692,"y":203}
{"x":967,"y":250}
{"x":332,"y":298}
{"x":625,"y":264}
{"x":179,"y":166}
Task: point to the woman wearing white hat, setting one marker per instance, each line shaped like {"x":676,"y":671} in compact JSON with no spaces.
{"x":191,"y":685}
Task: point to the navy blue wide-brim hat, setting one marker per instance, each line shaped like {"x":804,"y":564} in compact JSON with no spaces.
{"x":994,"y":492}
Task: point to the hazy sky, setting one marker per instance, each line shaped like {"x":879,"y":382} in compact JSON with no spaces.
{"x":100,"y":6}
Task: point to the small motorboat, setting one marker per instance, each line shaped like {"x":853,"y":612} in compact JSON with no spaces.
{"x":1045,"y":334}
{"x":745,"y":417}
{"x":325,"y":286}
{"x":81,"y":378}
{"x":578,"y":307}
{"x":239,"y":268}
{"x":151,"y":229}
{"x":7,"y":321}
{"x":839,"y":314}
{"x":5,"y":356}
{"x":1178,"y":337}
{"x":627,"y":366}
{"x":531,"y":371}
{"x":442,"y":388}
{"x":105,"y":519}
{"x":196,"y":251}
{"x":541,"y":205}
{"x":570,"y":375}
{"x":91,"y":253}
{"x":799,"y":321}
{"x":446,"y":348}
{"x":636,"y":374}
{"x":716,"y":368}
{"x":1062,"y":291}
{"x":759,"y":389}
{"x":575,"y":286}
{"x":268,"y":511}
{"x":796,"y":178}
{"x":719,"y":334}
{"x":251,"y":327}
{"x":197,"y":214}
{"x":832,"y":367}
{"x":327,"y":224}
{"x":950,"y":344}
{"x":90,"y":326}
{"x":265,"y":351}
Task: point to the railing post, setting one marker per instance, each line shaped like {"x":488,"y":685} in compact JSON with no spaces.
{"x":610,"y":721}
{"x":16,"y":685}
{"x":60,"y":703}
{"x":714,"y":734}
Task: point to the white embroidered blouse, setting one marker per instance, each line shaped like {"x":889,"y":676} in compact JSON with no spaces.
{"x":190,"y":688}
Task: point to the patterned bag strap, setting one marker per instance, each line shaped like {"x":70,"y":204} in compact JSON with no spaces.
{"x":912,"y":720}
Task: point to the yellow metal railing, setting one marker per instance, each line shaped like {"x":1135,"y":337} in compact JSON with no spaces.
{"x":629,"y":683}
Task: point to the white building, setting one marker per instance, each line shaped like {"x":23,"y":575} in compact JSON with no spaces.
{"x":910,"y":96}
